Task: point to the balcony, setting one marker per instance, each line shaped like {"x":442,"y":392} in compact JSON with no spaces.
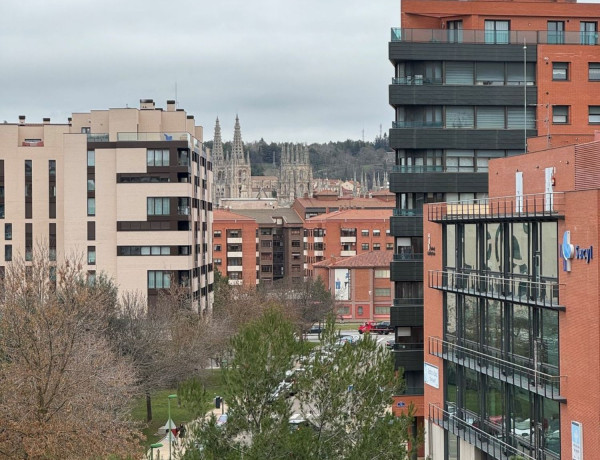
{"x":417,"y":169}
{"x":97,"y":137}
{"x":347,"y":253}
{"x":408,"y":212}
{"x":159,"y":137}
{"x":488,"y":436}
{"x":408,"y":356}
{"x":406,"y":316}
{"x":515,"y":371}
{"x":545,"y":206}
{"x":417,"y":124}
{"x":408,"y":256}
{"x":516,"y":289}
{"x":406,"y":270}
{"x":416,"y":301}
{"x":490,"y":37}
{"x":416,"y":80}
{"x":348,"y":239}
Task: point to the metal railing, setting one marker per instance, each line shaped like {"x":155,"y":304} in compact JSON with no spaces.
{"x":417,"y":168}
{"x":416,"y":80}
{"x":408,"y":212}
{"x":516,"y":289}
{"x":503,"y":207}
{"x":408,"y":256}
{"x":516,"y":370}
{"x":408,"y":301}
{"x":417,"y":124}
{"x":97,"y":137}
{"x":494,"y":37}
{"x":408,"y":347}
{"x":162,"y":136}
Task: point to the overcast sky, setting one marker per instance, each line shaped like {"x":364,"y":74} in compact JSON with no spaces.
{"x":294,"y":70}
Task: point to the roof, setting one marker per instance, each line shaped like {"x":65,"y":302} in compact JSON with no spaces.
{"x":266,"y":216}
{"x":222,"y":214}
{"x":354,"y":214}
{"x":346,"y":202}
{"x":365,"y":260}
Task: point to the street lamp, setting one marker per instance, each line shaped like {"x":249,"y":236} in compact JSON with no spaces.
{"x":170,"y":432}
{"x":152,"y":447}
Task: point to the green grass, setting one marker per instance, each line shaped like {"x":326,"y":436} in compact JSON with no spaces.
{"x":179,"y":413}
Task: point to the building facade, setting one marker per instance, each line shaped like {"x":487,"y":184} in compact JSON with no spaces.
{"x":474,"y":81}
{"x":511,"y":313}
{"x":235,"y":254}
{"x":129,"y":190}
{"x":295,"y":174}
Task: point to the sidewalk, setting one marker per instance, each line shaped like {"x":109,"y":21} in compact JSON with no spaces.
{"x":177,"y":448}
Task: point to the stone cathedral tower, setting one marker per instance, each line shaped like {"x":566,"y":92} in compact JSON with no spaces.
{"x":295,"y":173}
{"x":232,"y":171}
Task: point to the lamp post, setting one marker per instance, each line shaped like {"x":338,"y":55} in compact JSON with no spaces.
{"x":170,"y":432}
{"x":152,"y":447}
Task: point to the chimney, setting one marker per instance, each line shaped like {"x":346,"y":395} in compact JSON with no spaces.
{"x":21,"y":119}
{"x":46,"y":121}
{"x":146,"y":104}
{"x":70,"y":120}
{"x":171,"y":105}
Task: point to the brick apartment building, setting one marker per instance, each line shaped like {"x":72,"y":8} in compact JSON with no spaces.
{"x":360,"y":285}
{"x":512,"y":323}
{"x":328,"y":201}
{"x":346,"y":233}
{"x":128,"y":189}
{"x":234,"y":247}
{"x":477,"y":80}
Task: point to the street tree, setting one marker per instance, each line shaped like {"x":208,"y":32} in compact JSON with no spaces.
{"x":64,"y":392}
{"x":340,"y":394}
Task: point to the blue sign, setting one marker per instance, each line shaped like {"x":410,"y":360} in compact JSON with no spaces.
{"x":569,"y":251}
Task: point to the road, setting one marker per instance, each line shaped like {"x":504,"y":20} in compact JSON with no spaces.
{"x":381,"y":339}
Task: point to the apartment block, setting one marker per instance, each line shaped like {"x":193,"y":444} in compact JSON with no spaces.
{"x":235,"y":242}
{"x":128,"y":190}
{"x":512,"y":323}
{"x":475,"y":81}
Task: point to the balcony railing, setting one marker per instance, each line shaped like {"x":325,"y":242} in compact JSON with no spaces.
{"x":417,"y":124}
{"x":408,"y":301}
{"x":97,"y":137}
{"x":491,"y":37}
{"x":487,"y":436}
{"x":500,"y":208}
{"x":408,"y":256}
{"x":515,"y":370}
{"x":416,"y":80}
{"x":162,"y":136}
{"x":516,"y":289}
{"x":408,"y":212}
{"x":412,"y":169}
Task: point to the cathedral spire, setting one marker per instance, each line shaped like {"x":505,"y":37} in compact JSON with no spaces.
{"x":218,"y":144}
{"x":237,"y":149}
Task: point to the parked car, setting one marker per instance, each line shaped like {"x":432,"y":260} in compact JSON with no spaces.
{"x":315,"y":329}
{"x":383,"y":327}
{"x":366,"y":328}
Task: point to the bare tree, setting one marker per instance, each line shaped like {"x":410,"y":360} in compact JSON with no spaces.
{"x":64,"y":393}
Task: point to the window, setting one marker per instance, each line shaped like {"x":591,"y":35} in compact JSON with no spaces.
{"x":157,"y":157}
{"x":556,"y":32}
{"x":159,"y":279}
{"x":594,"y":114}
{"x":217,"y":234}
{"x":589,"y":33}
{"x":365,"y":246}
{"x":91,"y":185}
{"x":496,"y":31}
{"x":376,"y":246}
{"x":158,"y":206}
{"x":460,"y":117}
{"x":382,"y":292}
{"x":218,"y":261}
{"x":91,"y":158}
{"x":389,"y":246}
{"x":594,"y":71}
{"x":455,"y":34}
{"x":364,"y":232}
{"x":296,"y":243}
{"x":382,"y":273}
{"x":91,"y":255}
{"x":217,"y":248}
{"x":265,"y":231}
{"x":382,"y":310}
{"x":8,"y":232}
{"x":560,"y":71}
{"x":376,"y":232}
{"x":560,"y":114}
{"x":360,"y":311}
{"x":8,"y":252}
{"x":343,"y":310}
{"x":91,"y":206}
{"x":52,"y":167}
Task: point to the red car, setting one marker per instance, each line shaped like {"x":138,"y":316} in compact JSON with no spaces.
{"x":366,"y":328}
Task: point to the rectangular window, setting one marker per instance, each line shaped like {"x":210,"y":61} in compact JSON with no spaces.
{"x":560,"y":71}
{"x":28,"y":168}
{"x":556,"y":32}
{"x":490,"y":73}
{"x":376,"y":246}
{"x":560,"y":114}
{"x":159,"y":279}
{"x":91,"y":158}
{"x":91,"y":255}
{"x":594,"y":71}
{"x":376,"y":232}
{"x":589,"y":33}
{"x":8,"y":252}
{"x":157,"y":157}
{"x":364,"y":232}
{"x":459,"y":117}
{"x":594,"y":114}
{"x":8,"y":232}
{"x":91,"y":185}
{"x":52,"y":242}
{"x":91,"y":231}
{"x":218,"y":261}
{"x":217,"y":248}
{"x":496,"y":32}
{"x":490,"y":118}
{"x":28,"y":242}
{"x":158,"y":206}
{"x":296,"y":243}
{"x":365,"y":246}
{"x":382,"y":310}
{"x":382,"y":274}
{"x":455,"y":31}
{"x":389,"y":246}
{"x":217,"y":234}
{"x":52,"y":167}
{"x":459,"y":73}
{"x":382,"y":292}
{"x":91,"y":206}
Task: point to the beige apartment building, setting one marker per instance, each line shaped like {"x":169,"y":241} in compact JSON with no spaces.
{"x":127,"y":189}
